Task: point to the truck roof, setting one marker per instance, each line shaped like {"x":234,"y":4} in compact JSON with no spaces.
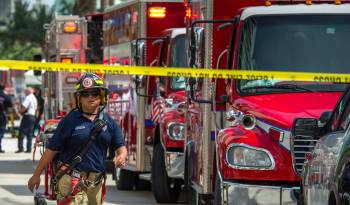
{"x":66,"y":17}
{"x":296,"y":9}
{"x":130,"y":2}
{"x":176,"y":31}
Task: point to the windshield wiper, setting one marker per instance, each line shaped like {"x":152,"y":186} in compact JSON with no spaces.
{"x":281,"y":86}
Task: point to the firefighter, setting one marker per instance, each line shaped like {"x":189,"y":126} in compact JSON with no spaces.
{"x":82,"y":184}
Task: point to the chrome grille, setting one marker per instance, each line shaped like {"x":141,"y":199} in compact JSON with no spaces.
{"x":303,"y":140}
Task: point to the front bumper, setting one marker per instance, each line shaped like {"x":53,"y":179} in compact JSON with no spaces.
{"x":247,"y":194}
{"x":175,"y":164}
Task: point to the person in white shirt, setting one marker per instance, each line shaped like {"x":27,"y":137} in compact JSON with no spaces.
{"x":28,"y":109}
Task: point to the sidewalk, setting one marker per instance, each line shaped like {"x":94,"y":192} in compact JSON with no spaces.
{"x":15,"y":170}
{"x":9,"y":145}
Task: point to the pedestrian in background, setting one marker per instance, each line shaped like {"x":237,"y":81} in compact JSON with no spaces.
{"x":27,"y":110}
{"x":40,"y":108}
{"x":5,"y":104}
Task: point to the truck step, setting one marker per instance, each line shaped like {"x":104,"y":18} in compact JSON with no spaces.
{"x":146,"y":176}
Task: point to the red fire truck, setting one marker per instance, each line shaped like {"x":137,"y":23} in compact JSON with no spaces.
{"x":168,"y":143}
{"x":255,"y":159}
{"x":66,"y":42}
{"x":130,"y":29}
{"x":69,"y":39}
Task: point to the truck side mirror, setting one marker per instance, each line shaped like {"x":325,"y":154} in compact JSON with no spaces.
{"x":325,"y":116}
{"x":223,"y":100}
{"x":191,"y":83}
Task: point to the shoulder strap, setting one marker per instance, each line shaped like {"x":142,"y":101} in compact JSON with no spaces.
{"x":96,"y":130}
{"x":100,"y":116}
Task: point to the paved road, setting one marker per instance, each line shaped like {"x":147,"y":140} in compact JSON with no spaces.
{"x":15,"y":170}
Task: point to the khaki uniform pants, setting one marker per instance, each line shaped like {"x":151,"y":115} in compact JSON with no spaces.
{"x":87,"y":195}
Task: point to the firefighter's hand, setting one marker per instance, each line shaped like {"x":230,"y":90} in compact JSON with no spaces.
{"x":33,"y":182}
{"x":119,"y":160}
{"x":120,"y":157}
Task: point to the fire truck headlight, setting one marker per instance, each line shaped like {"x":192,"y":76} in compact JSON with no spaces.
{"x":176,"y":131}
{"x":241,"y":156}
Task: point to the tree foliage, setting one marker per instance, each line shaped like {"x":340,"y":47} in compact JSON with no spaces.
{"x":66,"y":7}
{"x":83,"y":7}
{"x":25,"y":34}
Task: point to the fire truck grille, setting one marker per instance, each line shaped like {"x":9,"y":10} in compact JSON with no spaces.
{"x":303,"y":141}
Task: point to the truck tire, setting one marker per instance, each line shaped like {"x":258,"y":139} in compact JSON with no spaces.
{"x":217,"y":199}
{"x":194,"y":199}
{"x":126,"y":180}
{"x":301,"y":198}
{"x":162,"y":188}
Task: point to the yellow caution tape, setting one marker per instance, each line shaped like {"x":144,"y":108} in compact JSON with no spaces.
{"x":186,"y":72}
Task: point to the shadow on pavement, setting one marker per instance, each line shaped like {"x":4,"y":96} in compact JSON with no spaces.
{"x":132,"y":197}
{"x":20,"y":190}
{"x":17,"y":167}
{"x":6,"y":201}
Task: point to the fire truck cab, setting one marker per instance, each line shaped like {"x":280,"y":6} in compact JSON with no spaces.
{"x":131,"y":32}
{"x":255,"y":159}
{"x":168,"y":142}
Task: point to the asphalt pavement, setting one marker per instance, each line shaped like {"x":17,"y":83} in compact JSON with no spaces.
{"x":16,"y":169}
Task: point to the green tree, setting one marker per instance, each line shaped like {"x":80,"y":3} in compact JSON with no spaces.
{"x":66,"y":7}
{"x":25,"y":33}
{"x":83,"y":7}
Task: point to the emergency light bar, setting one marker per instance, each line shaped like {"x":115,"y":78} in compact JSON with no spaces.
{"x":66,"y":60}
{"x":188,"y":12}
{"x":70,"y":27}
{"x":156,"y":12}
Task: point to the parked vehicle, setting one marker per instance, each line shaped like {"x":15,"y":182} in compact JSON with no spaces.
{"x":168,"y":142}
{"x":65,"y":42}
{"x":255,"y":159}
{"x":130,"y":29}
{"x":325,"y":176}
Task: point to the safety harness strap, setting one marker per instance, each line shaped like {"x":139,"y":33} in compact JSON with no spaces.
{"x":98,"y":126}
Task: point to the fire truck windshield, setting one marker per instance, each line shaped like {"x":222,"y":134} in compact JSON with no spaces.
{"x":177,"y":59}
{"x":305,"y":43}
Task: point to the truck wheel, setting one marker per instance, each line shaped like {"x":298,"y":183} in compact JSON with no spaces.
{"x":301,"y":198}
{"x":344,"y":189}
{"x":163,"y":189}
{"x":217,"y":199}
{"x":194,"y":196}
{"x":125,"y":180}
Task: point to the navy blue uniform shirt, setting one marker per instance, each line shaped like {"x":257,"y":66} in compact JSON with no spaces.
{"x":73,"y":132}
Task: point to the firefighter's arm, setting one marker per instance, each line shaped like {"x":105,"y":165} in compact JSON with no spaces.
{"x":34,"y":181}
{"x":120,"y":156}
